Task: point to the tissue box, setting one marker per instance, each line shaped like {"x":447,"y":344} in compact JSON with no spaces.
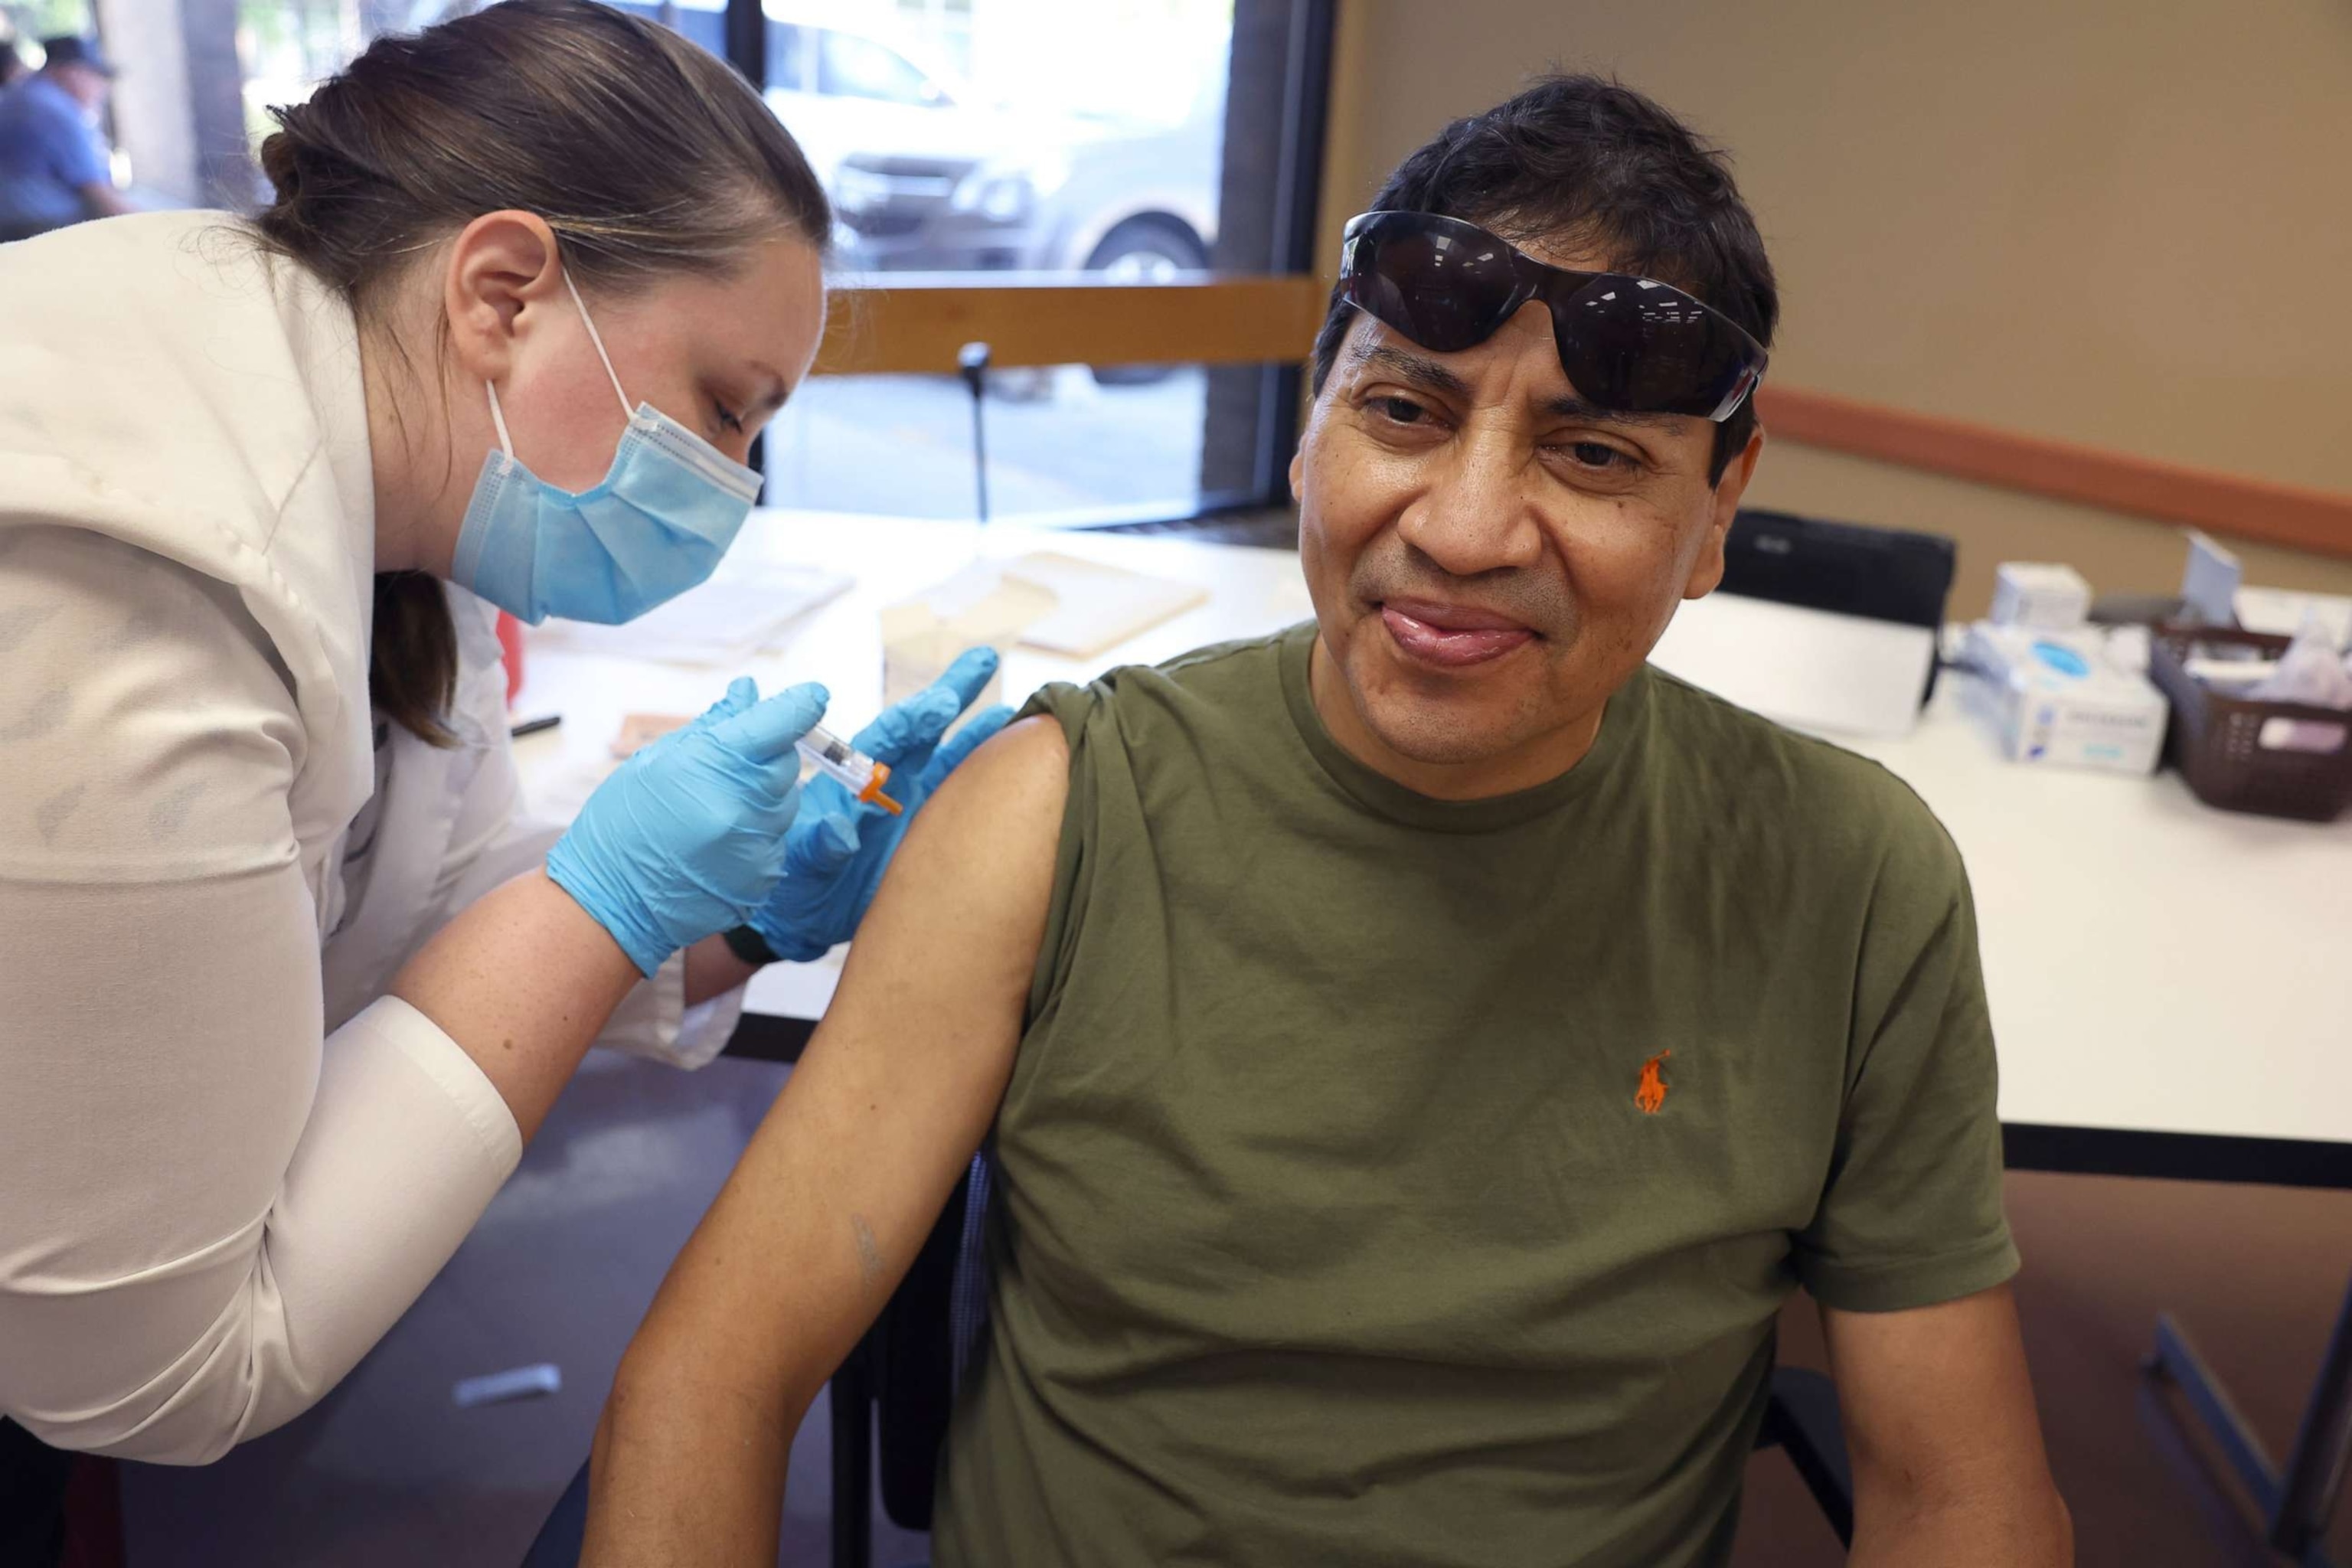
{"x":2040,"y":595}
{"x":2056,"y":698}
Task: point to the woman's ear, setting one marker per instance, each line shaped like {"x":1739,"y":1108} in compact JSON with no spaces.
{"x":502,"y":275}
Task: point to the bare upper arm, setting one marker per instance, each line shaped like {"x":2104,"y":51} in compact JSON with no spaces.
{"x":1938,"y":1414}
{"x":847,"y":1175}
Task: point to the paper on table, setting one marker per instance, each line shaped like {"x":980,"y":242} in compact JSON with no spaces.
{"x":979,"y":606}
{"x":2209,"y":579}
{"x":1098,"y":607}
{"x":1058,"y":604}
{"x":723,"y":622}
{"x":2280,"y":613}
{"x":1812,"y":669}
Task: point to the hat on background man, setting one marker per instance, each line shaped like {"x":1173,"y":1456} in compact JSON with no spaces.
{"x":69,"y":50}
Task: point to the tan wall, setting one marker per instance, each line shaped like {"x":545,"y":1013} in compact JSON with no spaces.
{"x":2123,"y":223}
{"x":2117,"y":553}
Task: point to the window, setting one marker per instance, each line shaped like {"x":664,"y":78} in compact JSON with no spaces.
{"x":1061,"y":448}
{"x":852,"y":66}
{"x":25,"y":22}
{"x":1070,"y":136}
{"x":199,"y":77}
{"x":1001,"y":136}
{"x":946,"y":23}
{"x":788,"y":62}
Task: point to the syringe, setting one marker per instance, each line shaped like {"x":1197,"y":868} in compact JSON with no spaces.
{"x":858,"y":772}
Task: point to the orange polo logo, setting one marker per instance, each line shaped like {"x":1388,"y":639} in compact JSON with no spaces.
{"x":1652,"y":1095}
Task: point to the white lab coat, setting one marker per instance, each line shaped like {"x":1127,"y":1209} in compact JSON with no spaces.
{"x":228,"y":1161}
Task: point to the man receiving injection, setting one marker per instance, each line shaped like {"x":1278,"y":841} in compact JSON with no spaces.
{"x":1422,"y":1051}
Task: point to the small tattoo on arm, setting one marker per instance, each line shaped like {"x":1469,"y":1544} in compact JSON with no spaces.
{"x":869,"y":1254}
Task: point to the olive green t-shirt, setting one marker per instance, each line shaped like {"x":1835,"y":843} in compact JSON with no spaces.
{"x":1387,"y":1180}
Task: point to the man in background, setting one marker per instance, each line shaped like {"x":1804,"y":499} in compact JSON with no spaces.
{"x":54,"y":168}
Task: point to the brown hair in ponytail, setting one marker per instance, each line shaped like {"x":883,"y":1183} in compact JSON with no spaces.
{"x":647,"y":156}
{"x":412,"y":655}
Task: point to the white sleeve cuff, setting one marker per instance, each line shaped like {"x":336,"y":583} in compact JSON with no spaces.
{"x":445,"y":1063}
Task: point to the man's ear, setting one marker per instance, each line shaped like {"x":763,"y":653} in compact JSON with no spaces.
{"x":502,"y":274}
{"x":1706,"y":569}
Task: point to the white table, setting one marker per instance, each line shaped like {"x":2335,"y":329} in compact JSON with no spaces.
{"x":2159,"y":971}
{"x":2170,"y":986}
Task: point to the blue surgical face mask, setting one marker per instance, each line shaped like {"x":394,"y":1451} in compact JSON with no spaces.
{"x":667,"y":511}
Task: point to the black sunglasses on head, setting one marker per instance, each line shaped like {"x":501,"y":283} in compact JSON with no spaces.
{"x":1628,"y":343}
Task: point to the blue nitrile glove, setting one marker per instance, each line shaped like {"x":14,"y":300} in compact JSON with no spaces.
{"x":687,"y":837}
{"x":833,"y":859}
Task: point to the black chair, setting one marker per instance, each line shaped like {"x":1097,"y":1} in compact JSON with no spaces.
{"x":903,"y":1376}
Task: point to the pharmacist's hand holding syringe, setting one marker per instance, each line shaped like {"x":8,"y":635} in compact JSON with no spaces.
{"x":706,"y":831}
{"x":707,"y":826}
{"x":852,"y":817}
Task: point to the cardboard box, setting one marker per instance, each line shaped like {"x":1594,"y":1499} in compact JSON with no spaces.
{"x":2056,"y":698}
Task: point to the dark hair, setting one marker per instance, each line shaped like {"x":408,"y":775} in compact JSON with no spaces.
{"x":647,"y":155}
{"x":1588,"y":164}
